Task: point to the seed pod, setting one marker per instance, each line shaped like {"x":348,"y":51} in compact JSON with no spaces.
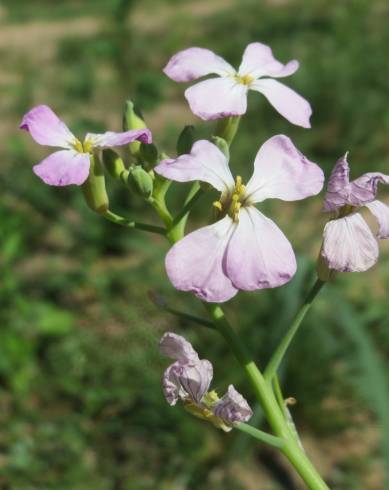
{"x":113,"y":163}
{"x":185,"y":140}
{"x":94,"y":187}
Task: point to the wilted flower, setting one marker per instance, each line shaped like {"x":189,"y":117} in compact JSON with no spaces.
{"x":348,"y":243}
{"x":227,"y":95}
{"x":244,"y":249}
{"x":188,"y":379}
{"x":70,"y":165}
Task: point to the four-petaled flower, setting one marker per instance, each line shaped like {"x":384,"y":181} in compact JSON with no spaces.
{"x":188,"y":379}
{"x":70,"y":165}
{"x":348,"y":243}
{"x":227,"y":95}
{"x":244,"y":250}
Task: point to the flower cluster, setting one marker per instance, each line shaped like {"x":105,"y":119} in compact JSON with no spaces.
{"x":188,"y":379}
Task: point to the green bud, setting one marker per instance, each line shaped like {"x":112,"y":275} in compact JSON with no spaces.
{"x":94,"y":187}
{"x":140,"y":181}
{"x":185,"y":140}
{"x":113,"y":163}
{"x":323,"y":271}
{"x":222,"y":145}
{"x":133,"y":119}
{"x":148,"y":153}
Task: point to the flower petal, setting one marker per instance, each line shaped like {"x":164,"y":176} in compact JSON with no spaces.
{"x":46,"y":128}
{"x":380,"y":211}
{"x":217,"y":98}
{"x":286,"y":101}
{"x":171,"y":386}
{"x":364,"y":189}
{"x":195,"y":263}
{"x":205,"y":162}
{"x":349,"y":245}
{"x":233,"y":407}
{"x":64,"y":167}
{"x":282,"y":172}
{"x":338,"y":185}
{"x":258,"y":254}
{"x":193,"y":63}
{"x":258,"y":61}
{"x":176,"y":347}
{"x":111,"y":139}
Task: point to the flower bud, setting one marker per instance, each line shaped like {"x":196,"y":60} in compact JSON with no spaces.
{"x":94,"y":187}
{"x":133,"y":119}
{"x":222,"y":145}
{"x":324,"y":273}
{"x":185,"y":140}
{"x":148,"y":153}
{"x":140,"y":181}
{"x":113,"y":163}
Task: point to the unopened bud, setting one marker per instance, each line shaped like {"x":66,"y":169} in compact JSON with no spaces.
{"x":222,"y":145}
{"x":133,"y":119}
{"x":185,"y":140}
{"x":113,"y":163}
{"x":148,"y":153}
{"x":94,"y":187}
{"x":140,"y":181}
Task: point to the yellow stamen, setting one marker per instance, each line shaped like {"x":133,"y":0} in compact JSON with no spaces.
{"x":87,"y":146}
{"x":245,"y":79}
{"x":77,"y":145}
{"x":218,"y":205}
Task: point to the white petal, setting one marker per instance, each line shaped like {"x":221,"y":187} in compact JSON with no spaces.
{"x":282,"y":172}
{"x":349,"y":245}
{"x":380,"y":211}
{"x":205,"y":162}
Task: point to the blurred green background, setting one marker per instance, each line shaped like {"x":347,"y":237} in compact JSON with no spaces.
{"x":80,"y":399}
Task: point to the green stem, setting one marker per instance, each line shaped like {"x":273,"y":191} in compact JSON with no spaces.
{"x":227,"y":127}
{"x":278,"y":393}
{"x":120,"y":220}
{"x":279,"y":353}
{"x":260,"y":435}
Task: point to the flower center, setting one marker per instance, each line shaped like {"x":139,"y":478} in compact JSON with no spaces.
{"x":230,"y":204}
{"x":85,"y":147}
{"x":345,"y":210}
{"x":244,"y":79}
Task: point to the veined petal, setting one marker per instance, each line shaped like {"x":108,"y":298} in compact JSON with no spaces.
{"x":205,"y":162}
{"x":282,"y":172}
{"x":171,"y":386}
{"x":380,"y":211}
{"x":217,"y":97}
{"x":193,"y":63}
{"x":195,"y":263}
{"x":286,"y":101}
{"x":349,"y":244}
{"x":233,"y":407}
{"x":64,"y":167}
{"x":364,"y":189}
{"x":177,"y":347}
{"x":258,"y":61}
{"x":258,"y":254}
{"x":111,"y":139}
{"x":46,"y":128}
{"x":338,"y":185}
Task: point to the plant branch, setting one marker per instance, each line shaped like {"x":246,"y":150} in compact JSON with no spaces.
{"x":120,"y":220}
{"x":260,"y":435}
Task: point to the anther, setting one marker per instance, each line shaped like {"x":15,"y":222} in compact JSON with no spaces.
{"x":218,"y":205}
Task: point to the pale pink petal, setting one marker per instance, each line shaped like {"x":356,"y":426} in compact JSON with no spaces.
{"x":364,"y":189}
{"x":111,"y":139}
{"x":217,"y":97}
{"x":286,"y":101}
{"x":349,"y":245}
{"x":282,"y":172}
{"x":205,"y":162}
{"x":193,"y":63}
{"x":380,"y":211}
{"x":177,"y":347}
{"x":195,"y":263}
{"x":46,"y":128}
{"x":233,"y":408}
{"x":64,"y":167}
{"x":338,"y":185}
{"x":258,"y":254}
{"x":258,"y":61}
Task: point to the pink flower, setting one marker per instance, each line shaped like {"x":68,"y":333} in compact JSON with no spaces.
{"x":188,"y":379}
{"x":70,"y":165}
{"x":244,"y":250}
{"x":348,"y":244}
{"x":227,"y":95}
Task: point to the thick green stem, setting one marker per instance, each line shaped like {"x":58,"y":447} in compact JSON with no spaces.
{"x":119,"y":220}
{"x":227,"y":128}
{"x":279,"y":353}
